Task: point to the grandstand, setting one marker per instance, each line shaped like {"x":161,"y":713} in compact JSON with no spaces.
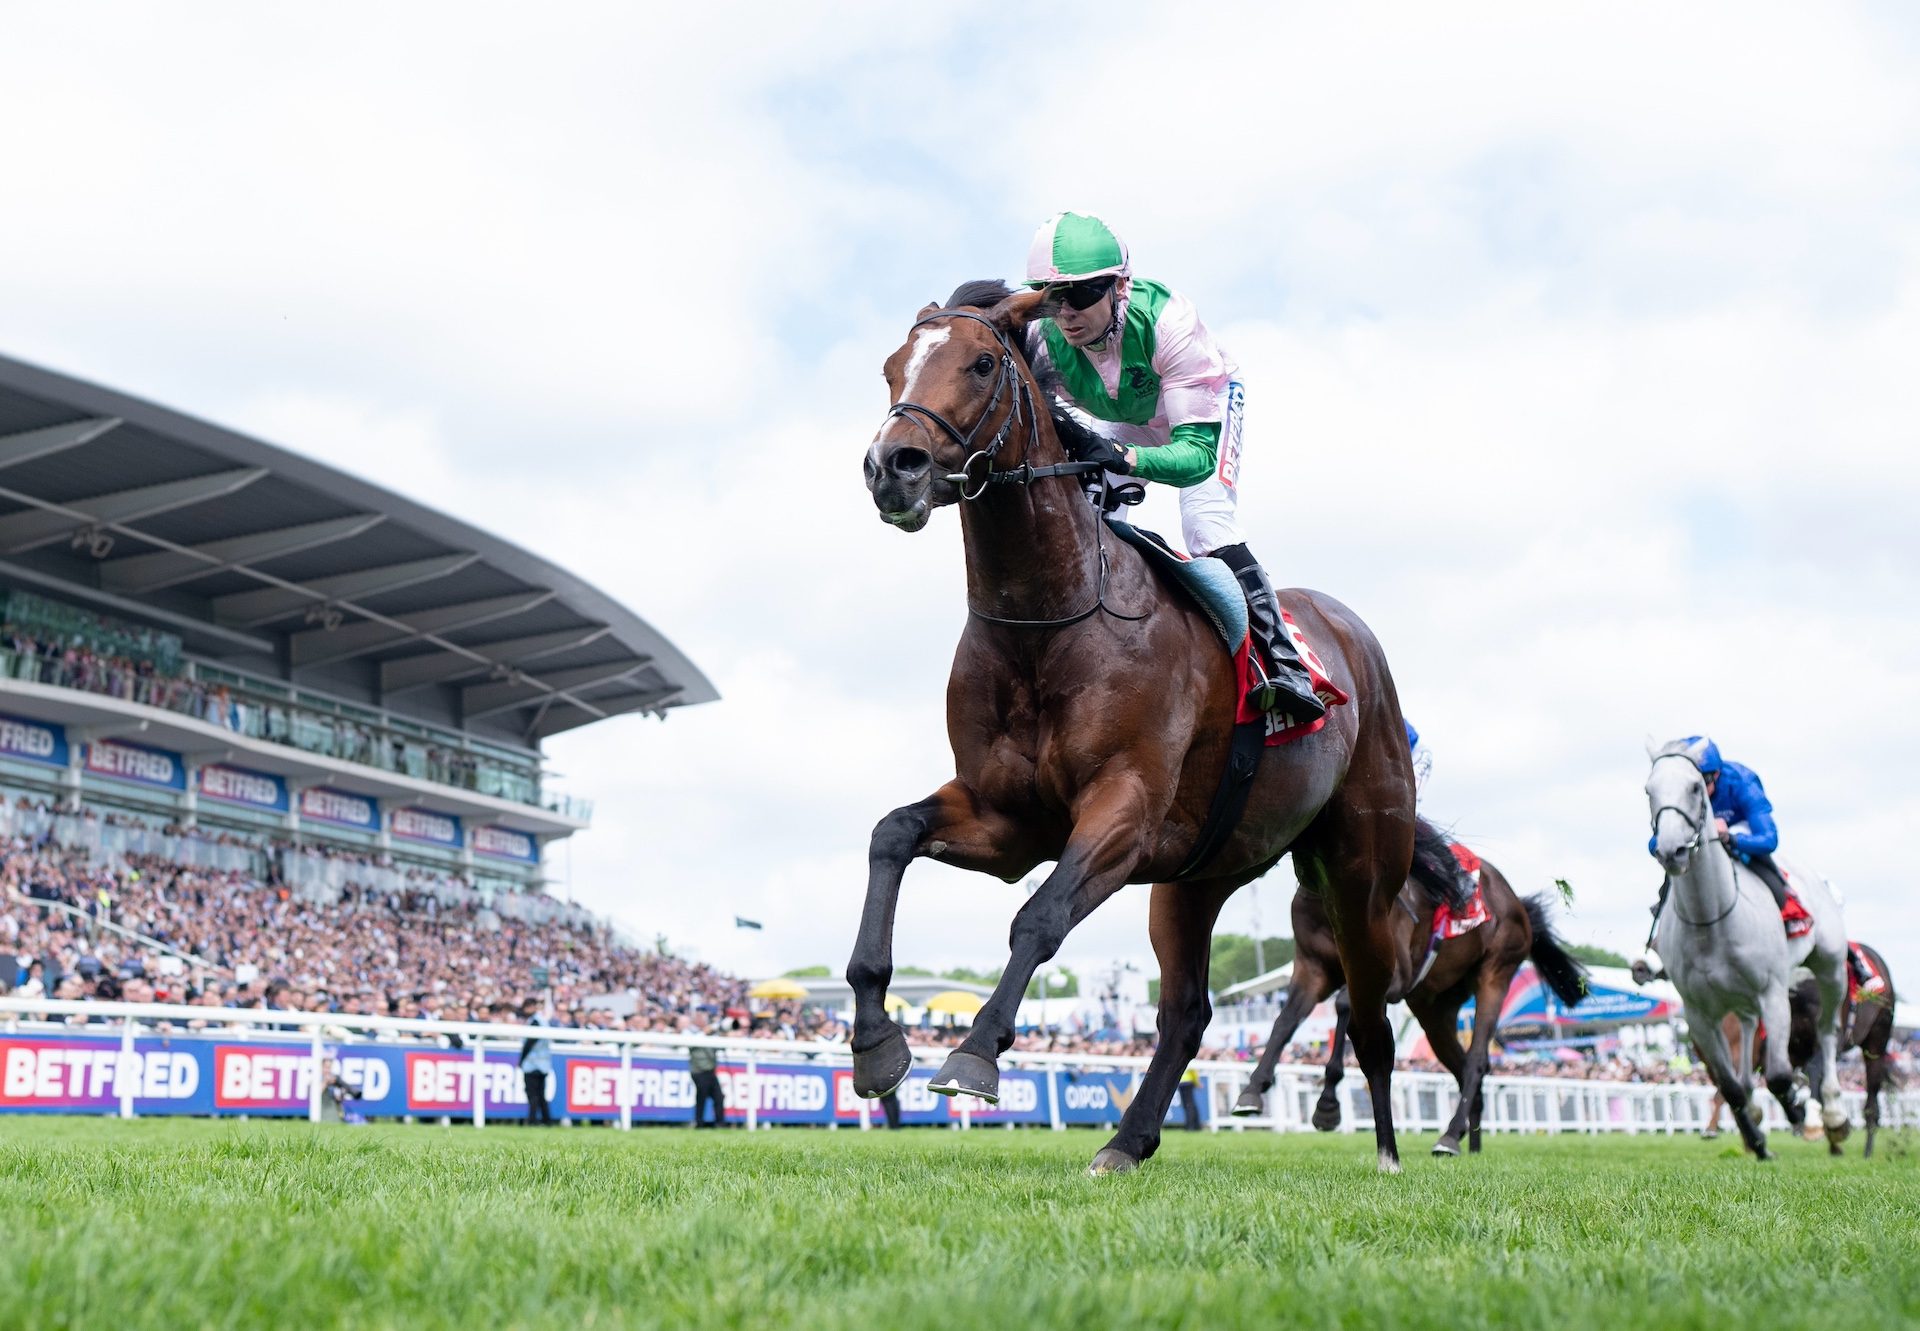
{"x":203,"y":633}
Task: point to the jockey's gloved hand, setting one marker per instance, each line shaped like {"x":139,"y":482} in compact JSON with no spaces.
{"x":1108,"y":454}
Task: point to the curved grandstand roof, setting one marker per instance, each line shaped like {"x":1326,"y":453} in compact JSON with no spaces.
{"x":285,"y":566}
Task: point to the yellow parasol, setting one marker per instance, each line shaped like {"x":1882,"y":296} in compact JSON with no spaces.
{"x":958,"y":1002}
{"x":778,"y":990}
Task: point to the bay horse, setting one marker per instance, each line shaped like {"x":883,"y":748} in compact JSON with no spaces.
{"x":1090,"y":709}
{"x":1479,"y":964}
{"x":1725,"y":951}
{"x":1866,"y":1026}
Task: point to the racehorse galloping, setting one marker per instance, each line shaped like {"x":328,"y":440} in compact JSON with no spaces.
{"x":1090,"y":710}
{"x":1866,"y":1024}
{"x":1478,"y":964}
{"x":1721,"y":938}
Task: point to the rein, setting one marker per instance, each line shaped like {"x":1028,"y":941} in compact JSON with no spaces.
{"x":1699,"y":829}
{"x":1021,"y":404}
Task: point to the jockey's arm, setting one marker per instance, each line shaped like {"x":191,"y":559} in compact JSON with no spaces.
{"x":1187,"y":458}
{"x":1746,"y":802}
{"x":1193,"y":373}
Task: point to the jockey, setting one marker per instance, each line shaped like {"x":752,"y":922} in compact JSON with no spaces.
{"x":1742,"y":819}
{"x":1134,"y":354}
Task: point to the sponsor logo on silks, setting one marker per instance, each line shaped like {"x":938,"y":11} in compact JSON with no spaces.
{"x":1231,"y":426}
{"x":323,"y":805}
{"x":505,"y":844}
{"x":237,"y":785}
{"x":136,"y":762}
{"x":87,"y":1074}
{"x":444,"y":1083}
{"x":36,"y":741}
{"x":425,"y":825}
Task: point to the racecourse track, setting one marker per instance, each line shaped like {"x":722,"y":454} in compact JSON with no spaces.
{"x":134,"y":1224}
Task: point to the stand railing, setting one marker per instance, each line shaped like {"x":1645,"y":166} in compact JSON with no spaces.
{"x":155,"y":1058}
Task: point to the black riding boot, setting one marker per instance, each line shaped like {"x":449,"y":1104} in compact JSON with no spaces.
{"x":1288,"y":688}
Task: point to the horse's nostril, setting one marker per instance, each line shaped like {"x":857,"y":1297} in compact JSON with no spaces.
{"x":910,"y":461}
{"x":870,"y":468}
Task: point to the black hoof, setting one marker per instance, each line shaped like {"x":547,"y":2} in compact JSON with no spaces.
{"x":968,"y":1074}
{"x":1326,"y":1116}
{"x":1110,"y":1161}
{"x":1251,"y":1104}
{"x":1447,"y":1146}
{"x":883,"y":1068}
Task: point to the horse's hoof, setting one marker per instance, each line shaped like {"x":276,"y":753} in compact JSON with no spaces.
{"x":883,"y":1068}
{"x":1389,"y":1163}
{"x":1836,"y":1121}
{"x":1110,"y":1161}
{"x":968,"y":1074}
{"x":1326,"y":1116}
{"x":1839,"y":1132}
{"x":1446,"y":1146}
{"x":1251,"y":1104}
{"x":1709,"y":1134}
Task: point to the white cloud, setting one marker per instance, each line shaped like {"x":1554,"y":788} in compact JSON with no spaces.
{"x":1579,"y":344}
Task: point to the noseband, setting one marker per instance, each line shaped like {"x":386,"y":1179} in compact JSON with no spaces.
{"x":1021,"y":408}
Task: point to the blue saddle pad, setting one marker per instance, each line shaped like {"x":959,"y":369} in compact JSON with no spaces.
{"x":1210,"y":583}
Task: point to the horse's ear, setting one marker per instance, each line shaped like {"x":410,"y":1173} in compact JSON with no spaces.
{"x":1012,"y":315}
{"x":927,"y":309}
{"x":1653,"y":748}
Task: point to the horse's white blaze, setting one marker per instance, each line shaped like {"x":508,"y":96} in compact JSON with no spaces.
{"x":924,"y":343}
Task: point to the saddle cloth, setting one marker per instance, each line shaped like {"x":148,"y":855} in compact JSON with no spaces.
{"x":1868,"y":965}
{"x":1212,"y":586}
{"x":1799,"y":922}
{"x":1450,"y":921}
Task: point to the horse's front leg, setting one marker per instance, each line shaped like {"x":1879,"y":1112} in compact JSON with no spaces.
{"x":1732,"y":1082}
{"x":1109,"y":837}
{"x":952,"y":825}
{"x":1777,"y":1015}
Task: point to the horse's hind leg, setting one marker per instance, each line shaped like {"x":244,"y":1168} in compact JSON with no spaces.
{"x":1357,"y":861}
{"x":1326,"y":1110}
{"x":1316,"y":973}
{"x":1181,"y":920}
{"x":952,"y":825}
{"x":1776,"y":1015}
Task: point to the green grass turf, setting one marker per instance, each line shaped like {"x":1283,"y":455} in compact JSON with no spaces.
{"x":105,"y":1224}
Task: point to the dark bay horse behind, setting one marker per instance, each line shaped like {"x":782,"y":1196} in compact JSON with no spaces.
{"x":1479,"y":964}
{"x":1090,"y":711}
{"x":1866,"y":1026}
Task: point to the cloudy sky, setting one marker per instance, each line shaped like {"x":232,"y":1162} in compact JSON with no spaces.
{"x":1592,"y":329}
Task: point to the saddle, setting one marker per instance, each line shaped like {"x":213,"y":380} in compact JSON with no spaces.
{"x":1215,"y":589}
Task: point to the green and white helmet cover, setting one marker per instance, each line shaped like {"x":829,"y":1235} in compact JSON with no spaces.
{"x":1070,"y":247}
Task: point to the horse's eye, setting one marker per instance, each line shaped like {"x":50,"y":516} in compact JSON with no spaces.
{"x":984,"y":365}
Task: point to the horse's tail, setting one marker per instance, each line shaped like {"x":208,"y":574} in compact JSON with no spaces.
{"x":1434,"y":867}
{"x":1562,"y":971}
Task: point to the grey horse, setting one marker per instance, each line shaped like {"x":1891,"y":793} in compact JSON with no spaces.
{"x":1725,"y":950}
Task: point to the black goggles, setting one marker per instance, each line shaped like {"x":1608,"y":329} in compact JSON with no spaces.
{"x":1080,"y":295}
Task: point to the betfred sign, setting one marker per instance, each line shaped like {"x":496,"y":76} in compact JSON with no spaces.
{"x":237,"y":785}
{"x":35,"y":741}
{"x":658,"y":1089}
{"x":503,"y":843}
{"x":321,"y":804}
{"x":91,"y":1074}
{"x":442,"y":1083}
{"x":438,"y":829}
{"x":136,"y":762}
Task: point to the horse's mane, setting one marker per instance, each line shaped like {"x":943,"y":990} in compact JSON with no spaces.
{"x":1074,"y":430}
{"x":1684,"y":747}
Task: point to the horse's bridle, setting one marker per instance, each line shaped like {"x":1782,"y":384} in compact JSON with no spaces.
{"x":1699,"y":831}
{"x":1026,"y":473}
{"x":1022,"y":405}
